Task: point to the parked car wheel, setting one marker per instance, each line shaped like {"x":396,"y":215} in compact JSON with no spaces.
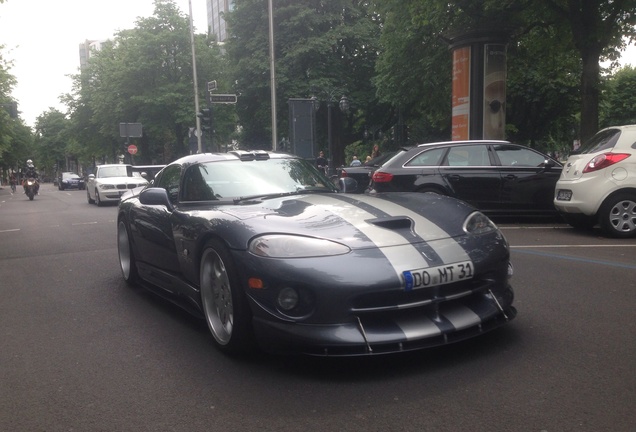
{"x":126,"y":258}
{"x":617,"y":215}
{"x":224,"y":303}
{"x":88,"y":198}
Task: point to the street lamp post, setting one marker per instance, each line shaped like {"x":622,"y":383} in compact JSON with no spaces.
{"x":343,"y":104}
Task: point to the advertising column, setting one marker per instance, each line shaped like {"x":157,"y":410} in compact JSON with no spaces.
{"x":461,"y":94}
{"x":494,"y":91}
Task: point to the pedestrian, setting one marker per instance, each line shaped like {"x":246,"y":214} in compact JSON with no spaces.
{"x":376,"y":152}
{"x":355,"y":161}
{"x":321,"y":162}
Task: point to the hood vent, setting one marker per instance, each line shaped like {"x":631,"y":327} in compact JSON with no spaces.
{"x":393,"y":223}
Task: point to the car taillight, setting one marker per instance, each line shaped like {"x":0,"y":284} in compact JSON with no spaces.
{"x":603,"y":161}
{"x":343,"y":173}
{"x":382,"y":177}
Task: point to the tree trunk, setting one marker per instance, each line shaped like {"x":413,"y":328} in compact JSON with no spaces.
{"x":590,"y":79}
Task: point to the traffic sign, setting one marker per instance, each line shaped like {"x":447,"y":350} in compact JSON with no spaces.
{"x":211,"y":85}
{"x":132,"y":149}
{"x":222,"y":98}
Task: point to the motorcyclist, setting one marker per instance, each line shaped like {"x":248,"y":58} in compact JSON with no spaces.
{"x":31,"y":172}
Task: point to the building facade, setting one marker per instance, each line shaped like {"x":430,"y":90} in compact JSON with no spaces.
{"x":216,"y":22}
{"x":85,"y":50}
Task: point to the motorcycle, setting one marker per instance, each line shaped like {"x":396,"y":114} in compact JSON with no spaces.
{"x":31,"y":187}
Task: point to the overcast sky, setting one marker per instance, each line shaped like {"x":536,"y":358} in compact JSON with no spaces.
{"x":42,"y":39}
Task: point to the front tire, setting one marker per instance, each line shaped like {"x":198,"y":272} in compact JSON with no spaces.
{"x":224,"y":303}
{"x":127,"y":262}
{"x":98,"y":201}
{"x":617,"y":216}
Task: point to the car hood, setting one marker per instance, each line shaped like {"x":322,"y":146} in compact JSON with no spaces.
{"x":358,"y":221}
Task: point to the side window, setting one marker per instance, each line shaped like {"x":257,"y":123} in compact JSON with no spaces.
{"x":468,"y":155}
{"x":518,"y":156}
{"x":169,"y":180}
{"x":195,"y":185}
{"x":427,"y":158}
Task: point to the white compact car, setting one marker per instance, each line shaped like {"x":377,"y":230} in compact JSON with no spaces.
{"x":109,"y":182}
{"x":598,"y":183}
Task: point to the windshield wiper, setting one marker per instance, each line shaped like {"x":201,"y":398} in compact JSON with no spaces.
{"x":280,"y":194}
{"x":262,"y":196}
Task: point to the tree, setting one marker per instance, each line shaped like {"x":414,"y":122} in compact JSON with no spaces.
{"x":15,"y":136}
{"x":621,"y":98}
{"x":52,"y":140}
{"x":322,"y":49}
{"x":599,"y":28}
{"x":145,"y":76}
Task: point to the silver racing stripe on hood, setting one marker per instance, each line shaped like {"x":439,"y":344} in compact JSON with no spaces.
{"x":446,"y":247}
{"x":402,"y":255}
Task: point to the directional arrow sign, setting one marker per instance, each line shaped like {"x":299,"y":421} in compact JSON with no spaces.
{"x":222,"y":98}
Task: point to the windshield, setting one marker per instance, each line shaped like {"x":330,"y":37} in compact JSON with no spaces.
{"x":114,"y":171}
{"x":238,"y":179}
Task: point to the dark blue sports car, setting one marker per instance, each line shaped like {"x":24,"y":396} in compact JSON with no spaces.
{"x":268,"y":251}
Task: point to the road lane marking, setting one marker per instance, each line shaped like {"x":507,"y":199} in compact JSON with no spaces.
{"x":578,"y":259}
{"x":571,"y":246}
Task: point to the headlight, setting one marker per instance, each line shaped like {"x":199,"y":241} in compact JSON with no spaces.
{"x":291,"y":246}
{"x":106,"y":186}
{"x":478,"y":223}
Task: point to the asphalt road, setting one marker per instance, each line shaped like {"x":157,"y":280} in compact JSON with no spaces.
{"x":81,"y":351}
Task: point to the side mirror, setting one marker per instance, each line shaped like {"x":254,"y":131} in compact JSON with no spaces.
{"x":347,"y":184}
{"x":155,"y":196}
{"x":91,"y":176}
{"x":548,"y":164}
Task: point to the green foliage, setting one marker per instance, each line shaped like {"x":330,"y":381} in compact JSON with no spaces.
{"x":322,"y":49}
{"x":390,"y":57}
{"x":621,"y":98}
{"x":145,"y":76}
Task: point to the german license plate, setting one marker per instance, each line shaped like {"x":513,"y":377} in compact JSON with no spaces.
{"x":564,"y":195}
{"x":434,"y":276}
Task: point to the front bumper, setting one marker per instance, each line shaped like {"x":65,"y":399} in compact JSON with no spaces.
{"x":358,"y":306}
{"x":407,"y":331}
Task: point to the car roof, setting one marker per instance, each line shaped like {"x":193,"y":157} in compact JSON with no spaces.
{"x":233,"y":155}
{"x":445,"y":143}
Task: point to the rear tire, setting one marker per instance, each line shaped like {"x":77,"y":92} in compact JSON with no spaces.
{"x":617,"y":216}
{"x":127,"y":262}
{"x":224,"y":303}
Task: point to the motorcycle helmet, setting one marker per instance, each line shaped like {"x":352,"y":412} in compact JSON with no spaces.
{"x":30,"y":163}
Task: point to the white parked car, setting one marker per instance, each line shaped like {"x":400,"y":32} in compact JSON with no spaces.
{"x":598,"y":183}
{"x":109,"y":182}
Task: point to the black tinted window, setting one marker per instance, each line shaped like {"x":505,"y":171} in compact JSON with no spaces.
{"x":518,"y":156}
{"x":169,"y":180}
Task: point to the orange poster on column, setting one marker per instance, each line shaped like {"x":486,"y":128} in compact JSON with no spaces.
{"x":461,"y":94}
